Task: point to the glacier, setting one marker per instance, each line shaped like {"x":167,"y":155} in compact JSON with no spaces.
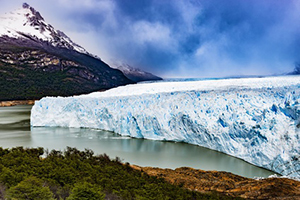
{"x":255,"y":119}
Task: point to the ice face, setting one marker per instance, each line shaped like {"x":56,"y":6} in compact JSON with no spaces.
{"x":255,"y":119}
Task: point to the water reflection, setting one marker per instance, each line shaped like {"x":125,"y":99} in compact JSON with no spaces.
{"x":16,"y":131}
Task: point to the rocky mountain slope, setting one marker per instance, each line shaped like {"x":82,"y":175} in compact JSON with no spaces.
{"x":134,"y":74}
{"x":37,"y":60}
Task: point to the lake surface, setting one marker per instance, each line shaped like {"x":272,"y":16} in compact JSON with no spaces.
{"x":15,"y":131}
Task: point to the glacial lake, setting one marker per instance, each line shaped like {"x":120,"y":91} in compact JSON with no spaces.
{"x":15,"y":131}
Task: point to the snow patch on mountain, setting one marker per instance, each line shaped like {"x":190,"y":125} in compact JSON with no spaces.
{"x":255,"y":119}
{"x":26,"y":22}
{"x":132,"y":73}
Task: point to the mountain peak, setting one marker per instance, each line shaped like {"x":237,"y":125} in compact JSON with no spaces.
{"x":25,"y":5}
{"x":34,"y":18}
{"x":35,"y":13}
{"x":27,"y":22}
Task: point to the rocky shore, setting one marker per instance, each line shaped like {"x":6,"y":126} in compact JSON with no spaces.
{"x":228,"y":183}
{"x":16,"y":102}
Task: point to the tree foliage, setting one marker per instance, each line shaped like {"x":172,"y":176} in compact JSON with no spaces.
{"x":75,"y":174}
{"x":30,"y":188}
{"x":86,"y":191}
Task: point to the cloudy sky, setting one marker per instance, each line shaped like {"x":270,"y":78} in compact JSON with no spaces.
{"x":182,"y":38}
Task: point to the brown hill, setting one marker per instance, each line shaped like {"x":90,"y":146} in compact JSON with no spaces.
{"x":228,"y":183}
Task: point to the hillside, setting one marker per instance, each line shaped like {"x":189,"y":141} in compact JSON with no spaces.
{"x":228,"y":183}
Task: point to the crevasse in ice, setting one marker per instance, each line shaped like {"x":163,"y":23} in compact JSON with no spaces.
{"x":255,"y":119}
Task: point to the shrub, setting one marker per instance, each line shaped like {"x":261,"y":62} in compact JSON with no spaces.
{"x":31,"y":188}
{"x":86,"y":191}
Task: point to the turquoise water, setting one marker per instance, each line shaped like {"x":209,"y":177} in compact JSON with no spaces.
{"x":15,"y":131}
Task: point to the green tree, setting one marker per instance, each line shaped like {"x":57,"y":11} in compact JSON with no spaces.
{"x":31,"y":188}
{"x":86,"y":191}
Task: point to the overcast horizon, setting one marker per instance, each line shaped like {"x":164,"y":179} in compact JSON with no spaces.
{"x":205,"y":38}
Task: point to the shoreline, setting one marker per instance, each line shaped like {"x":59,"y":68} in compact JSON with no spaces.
{"x":16,"y":102}
{"x":227,"y":183}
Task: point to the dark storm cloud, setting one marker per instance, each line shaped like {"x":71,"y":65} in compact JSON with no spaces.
{"x":185,"y":37}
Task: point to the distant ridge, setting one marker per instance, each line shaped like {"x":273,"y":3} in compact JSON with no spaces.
{"x":134,"y":74}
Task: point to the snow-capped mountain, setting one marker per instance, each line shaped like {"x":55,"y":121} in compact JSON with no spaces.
{"x":255,"y":119}
{"x":37,"y":60}
{"x":27,"y":22}
{"x":134,"y":74}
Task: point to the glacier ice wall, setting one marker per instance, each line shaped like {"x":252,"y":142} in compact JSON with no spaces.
{"x":255,"y":119}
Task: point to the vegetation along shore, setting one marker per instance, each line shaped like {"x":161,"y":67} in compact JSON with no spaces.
{"x":72,"y":174}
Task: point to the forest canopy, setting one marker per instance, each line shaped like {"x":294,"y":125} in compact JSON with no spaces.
{"x":36,"y":173}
